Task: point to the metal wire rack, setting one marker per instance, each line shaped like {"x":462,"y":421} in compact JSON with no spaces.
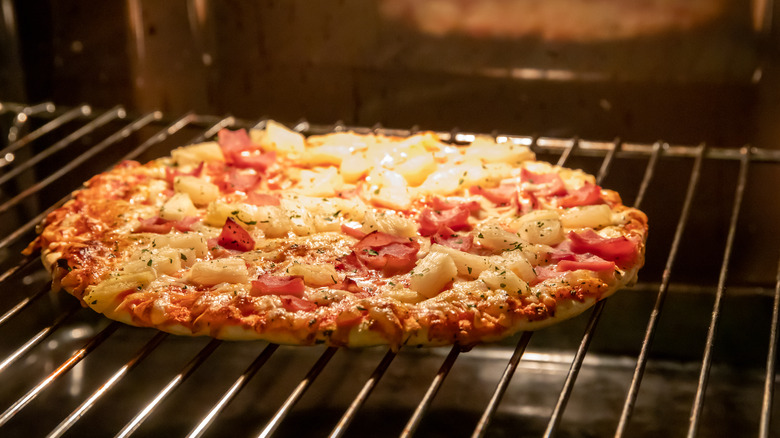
{"x":61,"y":365}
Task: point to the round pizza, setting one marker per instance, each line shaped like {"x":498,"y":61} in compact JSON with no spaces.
{"x":343,"y":239}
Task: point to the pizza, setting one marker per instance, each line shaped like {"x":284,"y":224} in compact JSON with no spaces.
{"x":344,"y":239}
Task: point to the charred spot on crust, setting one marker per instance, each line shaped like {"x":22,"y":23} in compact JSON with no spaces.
{"x":63,"y":264}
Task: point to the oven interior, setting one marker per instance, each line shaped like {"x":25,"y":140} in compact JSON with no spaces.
{"x":680,"y":124}
{"x":709,"y":315}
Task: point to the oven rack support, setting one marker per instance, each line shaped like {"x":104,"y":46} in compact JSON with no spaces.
{"x":11,"y":166}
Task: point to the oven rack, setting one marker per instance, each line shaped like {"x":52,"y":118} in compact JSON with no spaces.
{"x":97,"y":129}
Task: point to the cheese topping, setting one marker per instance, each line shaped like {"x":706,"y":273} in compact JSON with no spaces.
{"x":412,"y":231}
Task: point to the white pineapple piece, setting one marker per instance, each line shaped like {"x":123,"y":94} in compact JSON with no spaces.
{"x":442,"y":182}
{"x":194,"y":154}
{"x":388,"y":189}
{"x":320,"y":182}
{"x":416,"y":168}
{"x":278,"y":137}
{"x":390,"y":223}
{"x":165,"y":261}
{"x":432,"y":273}
{"x":501,"y":278}
{"x":185,"y":242}
{"x":178,"y":207}
{"x":468,"y":265}
{"x":354,"y":167}
{"x":315,"y":275}
{"x":325,"y":155}
{"x":200,"y":191}
{"x":300,"y":220}
{"x":215,"y":271}
{"x":592,"y":216}
{"x":101,"y":297}
{"x":540,"y":227}
{"x":485,"y":149}
{"x":492,"y":236}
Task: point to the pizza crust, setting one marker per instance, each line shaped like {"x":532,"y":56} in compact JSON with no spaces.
{"x":430,"y":244}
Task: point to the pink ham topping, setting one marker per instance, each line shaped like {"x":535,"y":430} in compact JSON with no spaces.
{"x":268,"y":284}
{"x":234,"y":236}
{"x":239,"y":151}
{"x":357,"y":233}
{"x":592,"y":263}
{"x":235,"y":180}
{"x":386,"y":252}
{"x":185,"y":224}
{"x":258,"y":160}
{"x":548,"y":184}
{"x":159,"y":225}
{"x":620,"y":250}
{"x":261,"y":199}
{"x":501,"y":195}
{"x":431,"y":221}
{"x":446,"y":237}
{"x":234,"y":141}
{"x":444,"y":204}
{"x":293,"y":304}
{"x":589,"y":250}
{"x":588,"y":194}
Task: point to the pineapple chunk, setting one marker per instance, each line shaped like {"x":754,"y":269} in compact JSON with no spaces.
{"x":390,"y":223}
{"x":217,"y":213}
{"x":101,"y":297}
{"x":200,"y":191}
{"x":540,"y":227}
{"x":515,"y":261}
{"x":248,"y":215}
{"x":136,"y":266}
{"x":485,"y":149}
{"x":397,"y":198}
{"x":492,"y":236}
{"x":432,"y":273}
{"x":593,"y":216}
{"x":225,"y":270}
{"x":315,"y":275}
{"x":326,"y":155}
{"x":185,"y":242}
{"x":165,"y":261}
{"x":441,"y":182}
{"x":492,"y":174}
{"x":402,"y":294}
{"x":299,"y":219}
{"x":193,"y":155}
{"x":417,"y":168}
{"x":468,"y":265}
{"x":320,"y":182}
{"x":428,"y":140}
{"x":499,"y":278}
{"x":354,"y":167}
{"x":350,"y":139}
{"x":278,"y":137}
{"x":178,"y":207}
{"x":272,"y":220}
{"x":389,"y":189}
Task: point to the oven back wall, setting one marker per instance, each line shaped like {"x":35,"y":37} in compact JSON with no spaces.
{"x":357,"y":61}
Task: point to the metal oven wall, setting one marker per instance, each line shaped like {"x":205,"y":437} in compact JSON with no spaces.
{"x":357,"y":61}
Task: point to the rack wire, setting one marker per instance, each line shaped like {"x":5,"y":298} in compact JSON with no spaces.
{"x":38,"y":133}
